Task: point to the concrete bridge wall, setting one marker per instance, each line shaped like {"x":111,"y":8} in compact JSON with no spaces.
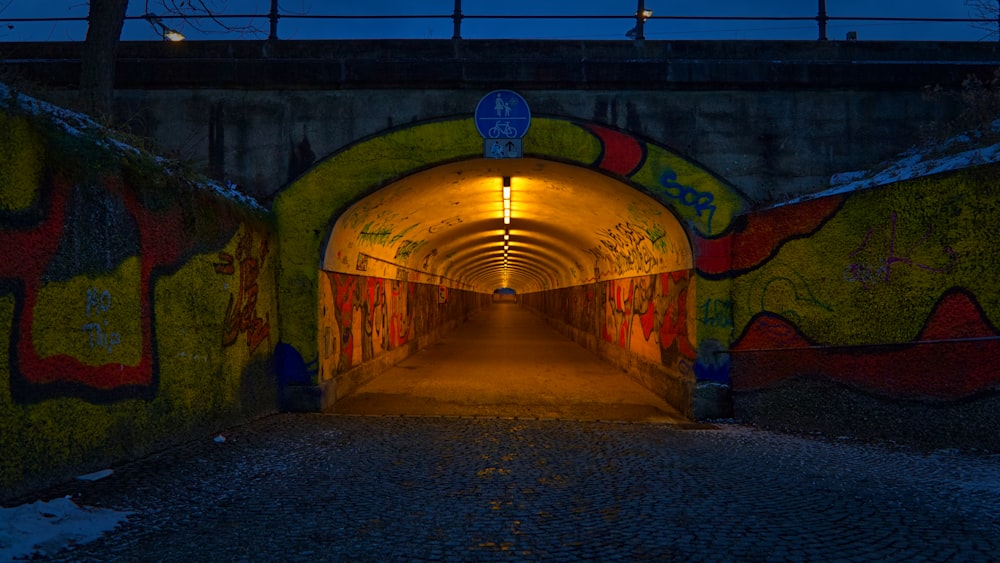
{"x":772,"y":118}
{"x":137,"y":308}
{"x":871,"y":314}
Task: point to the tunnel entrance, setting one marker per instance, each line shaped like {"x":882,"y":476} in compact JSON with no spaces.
{"x":588,"y":266}
{"x":391,"y":242}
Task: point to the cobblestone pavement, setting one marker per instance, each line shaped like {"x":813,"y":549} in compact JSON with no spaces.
{"x":310,"y":487}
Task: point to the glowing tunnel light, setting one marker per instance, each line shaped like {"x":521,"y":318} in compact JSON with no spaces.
{"x":506,"y":200}
{"x":506,"y":221}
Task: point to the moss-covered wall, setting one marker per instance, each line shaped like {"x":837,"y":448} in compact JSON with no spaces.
{"x":139,"y":308}
{"x":874,"y":313}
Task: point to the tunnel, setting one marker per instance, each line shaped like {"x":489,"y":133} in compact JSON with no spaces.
{"x":409,"y":241}
{"x":523,"y":227}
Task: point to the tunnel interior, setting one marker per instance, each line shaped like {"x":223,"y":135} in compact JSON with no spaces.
{"x":528,"y":230}
{"x":568,"y":226}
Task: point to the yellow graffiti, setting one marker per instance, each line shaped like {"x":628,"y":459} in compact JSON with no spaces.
{"x":875,"y":271}
{"x":97,"y":320}
{"x":561,"y":140}
{"x":700,"y":198}
{"x":21,"y":161}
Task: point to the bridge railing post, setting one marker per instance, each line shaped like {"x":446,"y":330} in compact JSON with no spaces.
{"x":821,"y":19}
{"x":457,"y":20}
{"x":640,"y":20}
{"x":273,"y":17}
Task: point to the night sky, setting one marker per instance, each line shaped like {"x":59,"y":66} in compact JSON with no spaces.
{"x":565,"y":28}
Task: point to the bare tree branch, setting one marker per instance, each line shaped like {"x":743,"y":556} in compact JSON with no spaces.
{"x":194,"y":12}
{"x":985,"y":10}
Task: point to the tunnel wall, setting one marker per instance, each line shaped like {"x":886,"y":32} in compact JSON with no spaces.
{"x":640,"y":324}
{"x":368,"y":324}
{"x":874,"y":313}
{"x":136,"y":306}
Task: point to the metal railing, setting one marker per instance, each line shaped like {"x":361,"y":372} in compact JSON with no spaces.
{"x":641,"y":17}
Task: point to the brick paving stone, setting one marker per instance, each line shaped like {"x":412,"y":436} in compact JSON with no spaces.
{"x":307,"y":487}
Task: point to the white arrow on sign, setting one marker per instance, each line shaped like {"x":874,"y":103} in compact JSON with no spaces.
{"x":502,"y":148}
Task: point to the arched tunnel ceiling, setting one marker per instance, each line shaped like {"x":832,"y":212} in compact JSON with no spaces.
{"x":569,"y":226}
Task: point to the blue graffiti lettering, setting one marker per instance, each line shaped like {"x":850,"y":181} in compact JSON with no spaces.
{"x":701,"y":202}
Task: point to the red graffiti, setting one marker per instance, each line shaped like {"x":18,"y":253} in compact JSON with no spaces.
{"x":27,"y":252}
{"x":622,"y":154}
{"x":374,"y":315}
{"x":674,"y":326}
{"x":344,"y":286}
{"x":760,"y":238}
{"x":241,"y":312}
{"x":951,"y":359}
{"x":399,"y":321}
{"x":659,"y":308}
{"x":226,"y":265}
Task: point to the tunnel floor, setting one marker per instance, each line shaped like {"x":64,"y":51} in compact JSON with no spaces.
{"x":506,"y":362}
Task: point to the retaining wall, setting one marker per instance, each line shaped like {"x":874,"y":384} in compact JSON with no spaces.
{"x":873,"y":314}
{"x":139,"y":307}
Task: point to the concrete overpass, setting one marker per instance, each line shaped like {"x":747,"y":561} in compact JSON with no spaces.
{"x":641,"y":226}
{"x":771,"y":118}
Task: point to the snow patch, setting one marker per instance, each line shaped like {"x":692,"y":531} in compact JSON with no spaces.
{"x":96,"y":476}
{"x":952,"y":154}
{"x":44,"y":528}
{"x":82,"y":126}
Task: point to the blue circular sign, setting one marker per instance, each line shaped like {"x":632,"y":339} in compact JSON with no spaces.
{"x":502,"y":114}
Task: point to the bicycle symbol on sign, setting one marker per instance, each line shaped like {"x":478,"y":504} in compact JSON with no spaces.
{"x":502,"y":129}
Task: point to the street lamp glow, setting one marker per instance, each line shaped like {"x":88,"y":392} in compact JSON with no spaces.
{"x":167,"y":33}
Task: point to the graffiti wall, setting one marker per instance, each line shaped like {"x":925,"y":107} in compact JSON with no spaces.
{"x":643,"y":323}
{"x":874,"y":313}
{"x":363,"y":319}
{"x":138,"y":306}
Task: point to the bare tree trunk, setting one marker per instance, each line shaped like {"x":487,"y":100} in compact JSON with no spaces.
{"x":97,"y":73}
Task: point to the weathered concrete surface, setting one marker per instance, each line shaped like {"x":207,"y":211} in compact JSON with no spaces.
{"x":774,"y":118}
{"x":507,"y":362}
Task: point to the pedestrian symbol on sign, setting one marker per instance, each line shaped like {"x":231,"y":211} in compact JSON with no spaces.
{"x":502,"y":114}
